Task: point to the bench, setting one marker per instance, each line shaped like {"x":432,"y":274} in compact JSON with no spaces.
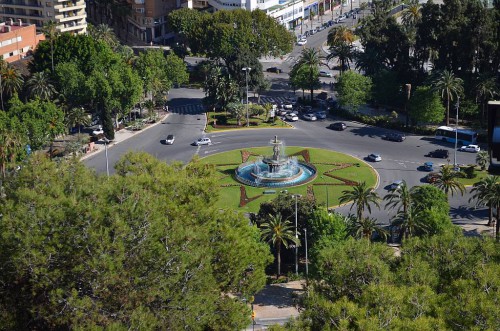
{"x":270,"y":192}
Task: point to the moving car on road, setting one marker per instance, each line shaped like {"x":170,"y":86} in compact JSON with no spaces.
{"x":338,"y":126}
{"x":439,"y":153}
{"x":202,"y":141}
{"x":431,"y":177}
{"x":302,"y":42}
{"x":324,"y":73}
{"x":170,"y":139}
{"x":395,"y":185}
{"x":394,"y":137}
{"x":292,"y":117}
{"x":310,"y":117}
{"x":470,"y":148}
{"x":274,"y":69}
{"x":428,"y":166}
{"x":374,"y":157}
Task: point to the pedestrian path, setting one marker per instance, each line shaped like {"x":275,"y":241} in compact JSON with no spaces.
{"x":191,"y":109}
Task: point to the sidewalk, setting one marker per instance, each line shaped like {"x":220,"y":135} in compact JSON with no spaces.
{"x":121,"y":136}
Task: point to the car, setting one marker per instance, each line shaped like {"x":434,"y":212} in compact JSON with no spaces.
{"x":470,"y":148}
{"x":394,"y":137}
{"x":330,"y":22}
{"x":374,"y":157}
{"x":97,"y":131}
{"x":324,"y":73}
{"x":338,"y":126}
{"x":320,"y":115}
{"x":291,"y":117}
{"x":395,"y":185}
{"x":341,"y":18}
{"x":428,"y":166}
{"x":431,"y":177}
{"x":274,"y":69}
{"x":311,"y":32}
{"x":310,"y":117}
{"x":202,"y":141}
{"x":322,"y":95}
{"x":288,"y":105}
{"x":170,"y":139}
{"x":354,"y":16}
{"x":282,"y":112}
{"x":439,"y":153}
{"x":301,"y":42}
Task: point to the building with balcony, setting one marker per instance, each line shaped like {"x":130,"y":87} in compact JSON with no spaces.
{"x":17,"y":39}
{"x":69,"y":15}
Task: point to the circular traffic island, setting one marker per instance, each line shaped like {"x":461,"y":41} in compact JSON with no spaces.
{"x":249,"y":177}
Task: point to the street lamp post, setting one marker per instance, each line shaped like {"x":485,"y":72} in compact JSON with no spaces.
{"x":106,"y":141}
{"x":247,"y":70}
{"x":408,"y":95}
{"x":307,"y":260}
{"x":456,"y":137}
{"x":296,"y":196}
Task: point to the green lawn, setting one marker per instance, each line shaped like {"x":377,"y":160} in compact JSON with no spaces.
{"x":355,"y":171}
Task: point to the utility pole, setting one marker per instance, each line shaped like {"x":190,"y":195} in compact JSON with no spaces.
{"x":247,"y":70}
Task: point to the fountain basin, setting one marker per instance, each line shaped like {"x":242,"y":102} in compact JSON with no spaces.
{"x":302,"y":173}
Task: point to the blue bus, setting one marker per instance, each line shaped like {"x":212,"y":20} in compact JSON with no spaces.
{"x":464,"y":137}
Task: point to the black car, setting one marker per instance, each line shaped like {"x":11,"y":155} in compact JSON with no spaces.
{"x":440,"y":153}
{"x":338,"y":126}
{"x":394,"y":137}
{"x":274,"y":69}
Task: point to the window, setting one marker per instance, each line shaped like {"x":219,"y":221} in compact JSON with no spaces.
{"x":139,"y":10}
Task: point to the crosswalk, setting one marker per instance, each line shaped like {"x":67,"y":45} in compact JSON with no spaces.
{"x":191,"y":109}
{"x":273,"y":100}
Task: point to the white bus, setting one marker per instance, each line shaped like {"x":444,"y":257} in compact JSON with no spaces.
{"x":464,"y":137}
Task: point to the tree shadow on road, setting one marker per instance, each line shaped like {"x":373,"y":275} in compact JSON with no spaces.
{"x":276,"y":295}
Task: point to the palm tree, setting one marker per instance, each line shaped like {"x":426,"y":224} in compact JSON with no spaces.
{"x":49,"y":29}
{"x":412,"y":15}
{"x":410,"y":222}
{"x":3,"y":66}
{"x":399,"y":198}
{"x":483,"y":192}
{"x":105,"y":33}
{"x":362,"y":197}
{"x":77,"y":116}
{"x":486,"y":89}
{"x":39,"y":86}
{"x":482,"y":159}
{"x":310,"y":59}
{"x":278,"y":232}
{"x":447,"y":181}
{"x":344,"y":52}
{"x":340,"y":35}
{"x":449,"y":86}
{"x":494,"y":198}
{"x":10,"y":145}
{"x":365,"y":228}
{"x":12,"y":81}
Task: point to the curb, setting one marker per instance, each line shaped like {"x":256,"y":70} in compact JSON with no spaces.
{"x":99,"y":150}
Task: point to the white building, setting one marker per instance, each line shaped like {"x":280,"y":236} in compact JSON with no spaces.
{"x":286,"y":12}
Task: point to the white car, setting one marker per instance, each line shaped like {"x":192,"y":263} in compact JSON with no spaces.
{"x":395,"y":185}
{"x":310,"y":117}
{"x":170,"y":139}
{"x":301,"y":42}
{"x":292,"y":117}
{"x":375,"y":157}
{"x":470,"y":148}
{"x":287,"y":106}
{"x":202,"y":141}
{"x":324,"y":73}
{"x":98,"y":131}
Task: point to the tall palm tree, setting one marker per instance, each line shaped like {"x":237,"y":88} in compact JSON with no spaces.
{"x":310,"y":59}
{"x":344,"y":53}
{"x":410,"y":222}
{"x":105,"y":33}
{"x":77,"y":116}
{"x":494,"y":199}
{"x":482,"y":159}
{"x":399,"y":198}
{"x":449,"y":87}
{"x":39,"y":86}
{"x":486,"y":89}
{"x":278,"y":232}
{"x":362,"y":197}
{"x":412,"y":15}
{"x":12,"y":81}
{"x":483,"y":193}
{"x":49,"y":29}
{"x":447,"y":181}
{"x":340,"y":35}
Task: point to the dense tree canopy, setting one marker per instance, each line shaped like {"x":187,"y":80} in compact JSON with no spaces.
{"x":143,"y":249}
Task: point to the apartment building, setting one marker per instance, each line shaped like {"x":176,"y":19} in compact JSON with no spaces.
{"x":69,"y":15}
{"x":17,"y":39}
{"x":286,"y":12}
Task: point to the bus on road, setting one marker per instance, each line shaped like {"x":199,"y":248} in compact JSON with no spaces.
{"x":464,"y":137}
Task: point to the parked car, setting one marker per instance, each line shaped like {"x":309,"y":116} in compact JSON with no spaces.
{"x":292,"y":117}
{"x":320,"y":115}
{"x":202,"y":141}
{"x":322,"y":95}
{"x":170,"y":139}
{"x":311,"y":32}
{"x":97,"y":131}
{"x":324,"y":73}
{"x":428,"y":166}
{"x":310,"y":117}
{"x":374,"y":157}
{"x":439,"y":153}
{"x":394,"y":137}
{"x":338,"y":126}
{"x":288,"y":105}
{"x":331,"y":22}
{"x":302,"y":42}
{"x":282,"y":112}
{"x":274,"y":69}
{"x":470,"y":148}
{"x":395,"y":185}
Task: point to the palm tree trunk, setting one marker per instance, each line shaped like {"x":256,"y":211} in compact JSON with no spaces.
{"x":447,"y":110}
{"x":497,"y":227}
{"x":490,"y":214}
{"x":278,"y":259}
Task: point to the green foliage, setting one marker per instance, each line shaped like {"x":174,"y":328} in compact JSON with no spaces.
{"x":425,"y":106}
{"x":141,"y":249}
{"x":387,"y":89}
{"x":353,"y":90}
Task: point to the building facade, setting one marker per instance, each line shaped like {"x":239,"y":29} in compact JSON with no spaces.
{"x":69,"y":15}
{"x":17,"y":39}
